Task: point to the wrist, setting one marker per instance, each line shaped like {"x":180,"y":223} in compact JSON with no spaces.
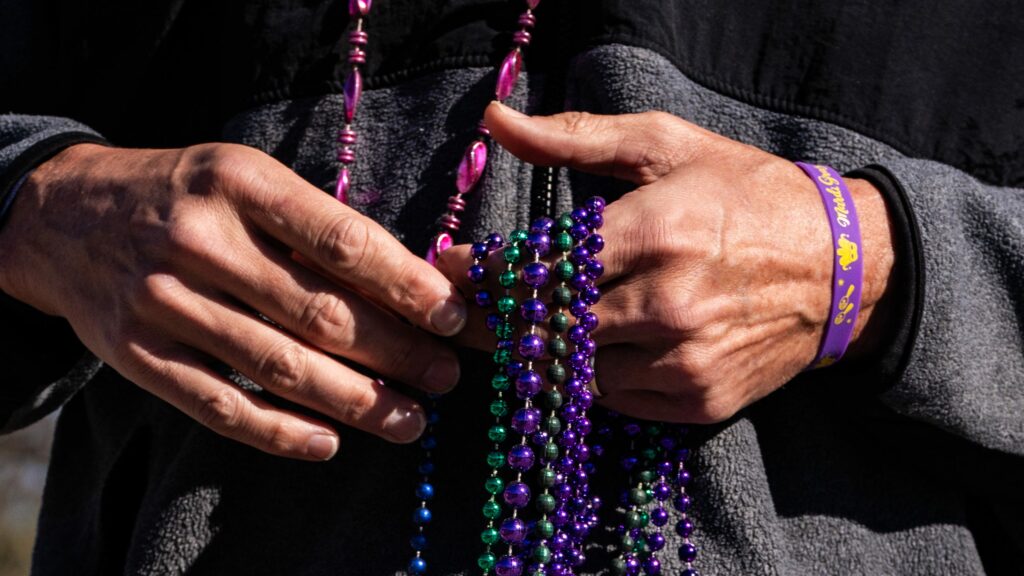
{"x":879,"y":263}
{"x":39,"y":189}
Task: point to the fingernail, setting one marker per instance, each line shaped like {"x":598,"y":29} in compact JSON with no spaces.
{"x":448,"y":317}
{"x":442,"y":375}
{"x":322,"y":447}
{"x":405,"y":425}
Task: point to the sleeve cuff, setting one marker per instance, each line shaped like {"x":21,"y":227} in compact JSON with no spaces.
{"x":887,"y":366}
{"x":40,"y":152}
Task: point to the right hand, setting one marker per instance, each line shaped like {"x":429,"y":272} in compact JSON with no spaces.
{"x":159,"y":258}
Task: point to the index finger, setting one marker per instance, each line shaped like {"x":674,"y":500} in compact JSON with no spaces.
{"x":358,"y":252}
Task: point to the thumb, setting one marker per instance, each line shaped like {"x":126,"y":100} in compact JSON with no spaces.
{"x":640,"y":148}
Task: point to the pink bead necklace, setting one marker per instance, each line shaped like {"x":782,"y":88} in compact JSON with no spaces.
{"x":474,"y":159}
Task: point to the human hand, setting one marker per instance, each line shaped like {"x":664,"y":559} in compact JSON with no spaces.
{"x":158,"y":259}
{"x":718,"y":266}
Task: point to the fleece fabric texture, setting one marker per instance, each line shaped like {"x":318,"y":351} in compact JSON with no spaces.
{"x":825,"y":476}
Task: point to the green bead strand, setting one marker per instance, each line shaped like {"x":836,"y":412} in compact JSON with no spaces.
{"x":542,"y":554}
{"x":502,"y":357}
{"x":489,"y":536}
{"x":492,"y":510}
{"x":497,"y":433}
{"x":496,"y":460}
{"x":545,"y":529}
{"x":545,"y":503}
{"x":499,"y":408}
{"x":563,"y":242}
{"x":513,"y":254}
{"x":564,"y":270}
{"x":507,"y":279}
{"x":506,"y":304}
{"x":494,"y":485}
{"x":501,"y":382}
{"x":486,"y":561}
{"x":505,"y":330}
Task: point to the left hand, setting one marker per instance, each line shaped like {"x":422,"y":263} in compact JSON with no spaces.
{"x":718,"y":266}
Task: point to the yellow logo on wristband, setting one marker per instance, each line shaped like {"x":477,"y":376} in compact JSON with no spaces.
{"x":845,"y":306}
{"x":847,"y":252}
{"x":842,"y":213}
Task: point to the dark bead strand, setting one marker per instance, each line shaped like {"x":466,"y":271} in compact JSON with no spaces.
{"x":660,"y":492}
{"x":507,"y":371}
{"x":541,"y":555}
{"x":655,"y":469}
{"x":564,"y":544}
{"x":627,"y":563}
{"x":683,"y":503}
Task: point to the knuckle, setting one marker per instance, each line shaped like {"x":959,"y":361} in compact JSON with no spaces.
{"x":222,"y":411}
{"x":156,"y":292}
{"x":696,"y":369}
{"x":279,"y":439}
{"x":662,"y":240}
{"x":222,"y":168}
{"x":409,"y":293}
{"x":359,"y":402}
{"x":577,"y":123}
{"x":283,"y":370}
{"x":190,"y":235}
{"x":408,"y":358}
{"x":346,"y":245}
{"x":326,"y":320}
{"x":675,"y":318}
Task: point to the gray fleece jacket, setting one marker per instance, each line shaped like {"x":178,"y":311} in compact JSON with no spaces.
{"x":917,"y":470}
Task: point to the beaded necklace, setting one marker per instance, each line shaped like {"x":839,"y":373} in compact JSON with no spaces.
{"x":550,"y":422}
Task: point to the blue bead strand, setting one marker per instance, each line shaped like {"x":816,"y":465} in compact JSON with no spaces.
{"x":424,"y":490}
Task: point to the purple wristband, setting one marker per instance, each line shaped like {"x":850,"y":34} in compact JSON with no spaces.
{"x":847,"y":263}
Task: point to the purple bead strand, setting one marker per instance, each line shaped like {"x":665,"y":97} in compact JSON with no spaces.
{"x":683,"y":503}
{"x":581,"y":362}
{"x":352,"y":92}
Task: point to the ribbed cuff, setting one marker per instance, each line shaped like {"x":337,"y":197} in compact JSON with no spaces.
{"x":887,"y":366}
